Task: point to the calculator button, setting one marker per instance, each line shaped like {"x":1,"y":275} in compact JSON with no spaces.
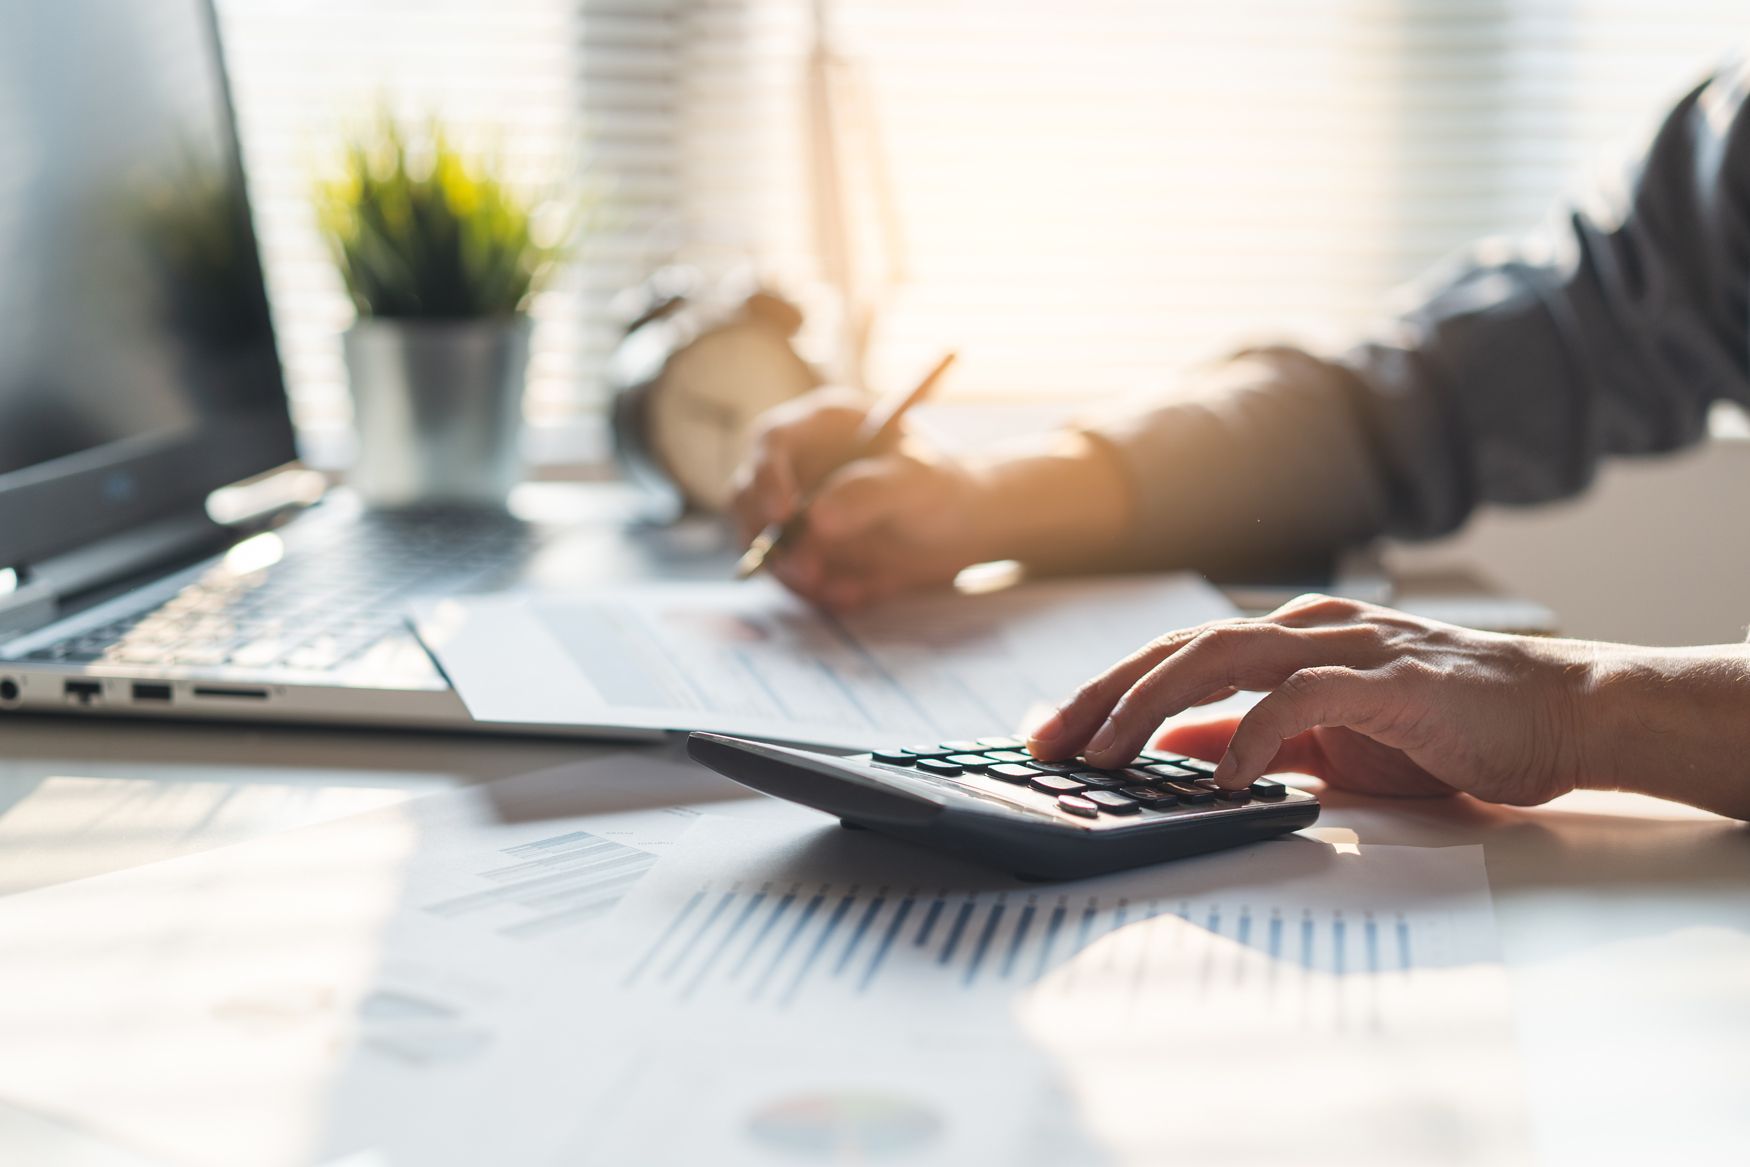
{"x":1058,"y":767}
{"x":1162,"y":756}
{"x":1056,"y":784}
{"x":1173,"y":771}
{"x":961,"y":746}
{"x":1195,"y":795}
{"x":1008,"y":755}
{"x":1138,"y":775}
{"x":1150,"y":797}
{"x":973,"y":762}
{"x":1111,"y":801}
{"x":940,"y":766}
{"x":926,"y":751}
{"x":1268,"y":788}
{"x":1077,"y":805}
{"x":1008,"y":772}
{"x":1001,"y":743}
{"x":1099,"y":780}
{"x":894,"y":757}
{"x":1198,"y":766}
{"x":1234,"y":796}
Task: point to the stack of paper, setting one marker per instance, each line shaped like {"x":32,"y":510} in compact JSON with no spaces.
{"x":750,"y":659}
{"x":491,"y":976}
{"x":810,"y":988}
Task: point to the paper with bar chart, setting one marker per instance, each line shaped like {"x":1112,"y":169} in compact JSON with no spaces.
{"x":785,"y":936}
{"x":756,"y":944}
{"x":334,"y":981}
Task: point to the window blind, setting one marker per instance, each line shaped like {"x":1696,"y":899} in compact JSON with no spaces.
{"x":1084,"y":198}
{"x":569,"y":95}
{"x":1091,"y":198}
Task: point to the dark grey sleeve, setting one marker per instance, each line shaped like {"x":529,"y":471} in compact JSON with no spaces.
{"x":1520,"y":369}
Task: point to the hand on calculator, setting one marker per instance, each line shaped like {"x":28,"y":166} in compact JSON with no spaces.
{"x":1364,"y":697}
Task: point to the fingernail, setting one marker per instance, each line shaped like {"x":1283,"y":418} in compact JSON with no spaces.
{"x":1048,"y":731}
{"x":1224,"y":769}
{"x":1107,"y":735}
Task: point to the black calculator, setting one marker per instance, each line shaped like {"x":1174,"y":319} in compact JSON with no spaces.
{"x":990,"y":800}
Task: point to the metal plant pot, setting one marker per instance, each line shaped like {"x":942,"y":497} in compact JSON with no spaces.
{"x":437,"y":406}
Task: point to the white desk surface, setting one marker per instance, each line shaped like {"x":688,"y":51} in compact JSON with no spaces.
{"x":1626,"y":922}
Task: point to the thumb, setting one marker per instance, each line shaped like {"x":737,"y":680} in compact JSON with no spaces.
{"x":869,"y":493}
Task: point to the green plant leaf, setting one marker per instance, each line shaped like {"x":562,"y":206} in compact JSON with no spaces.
{"x":417,"y":229}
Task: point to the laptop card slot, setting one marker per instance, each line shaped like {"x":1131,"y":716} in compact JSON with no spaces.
{"x":230,"y":692}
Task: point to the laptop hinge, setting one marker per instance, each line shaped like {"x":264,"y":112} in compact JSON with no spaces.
{"x":41,"y":589}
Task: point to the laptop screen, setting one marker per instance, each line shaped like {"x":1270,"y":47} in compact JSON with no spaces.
{"x":137,"y":364}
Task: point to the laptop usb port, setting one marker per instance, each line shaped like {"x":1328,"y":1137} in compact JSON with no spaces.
{"x":148,"y":691}
{"x":230,"y":692}
{"x":82,"y":692}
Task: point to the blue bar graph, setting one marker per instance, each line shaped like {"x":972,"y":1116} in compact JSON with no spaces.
{"x":789,"y":942}
{"x":957,"y":930}
{"x":820,"y":943}
{"x":775,"y":946}
{"x":1053,"y":926}
{"x":771,"y":922}
{"x":684,"y":950}
{"x":662,"y":940}
{"x":930,"y":918}
{"x":1023,"y":926}
{"x":899,"y":916}
{"x":872,"y":910}
{"x":991,"y":921}
{"x":724,"y":941}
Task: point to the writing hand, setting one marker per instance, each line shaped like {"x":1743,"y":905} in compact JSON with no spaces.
{"x":905,"y":518}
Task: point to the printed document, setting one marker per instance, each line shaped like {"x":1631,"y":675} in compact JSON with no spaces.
{"x":807,"y":988}
{"x":751,"y":659}
{"x":344,"y":989}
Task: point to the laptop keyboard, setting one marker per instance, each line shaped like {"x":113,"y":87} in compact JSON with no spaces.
{"x":338,"y":589}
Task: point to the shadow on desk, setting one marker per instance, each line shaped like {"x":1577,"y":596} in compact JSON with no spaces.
{"x":80,"y":798}
{"x":1600,"y":846}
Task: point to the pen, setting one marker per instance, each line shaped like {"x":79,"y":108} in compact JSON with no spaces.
{"x":880,"y":427}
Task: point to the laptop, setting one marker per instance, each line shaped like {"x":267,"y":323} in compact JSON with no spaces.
{"x":139,"y":380}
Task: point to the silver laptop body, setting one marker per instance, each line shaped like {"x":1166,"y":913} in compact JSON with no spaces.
{"x":139,"y":376}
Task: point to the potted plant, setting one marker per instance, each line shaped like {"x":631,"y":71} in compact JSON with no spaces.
{"x":441,"y":259}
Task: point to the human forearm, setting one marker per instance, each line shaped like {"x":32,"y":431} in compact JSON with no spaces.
{"x":1262,"y":463}
{"x":1671,"y":722}
{"x":1057,"y":503}
{"x":1384,"y":702}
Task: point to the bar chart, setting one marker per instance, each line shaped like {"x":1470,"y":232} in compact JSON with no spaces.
{"x":779,"y":945}
{"x":548,"y":885}
{"x":821,"y":993}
